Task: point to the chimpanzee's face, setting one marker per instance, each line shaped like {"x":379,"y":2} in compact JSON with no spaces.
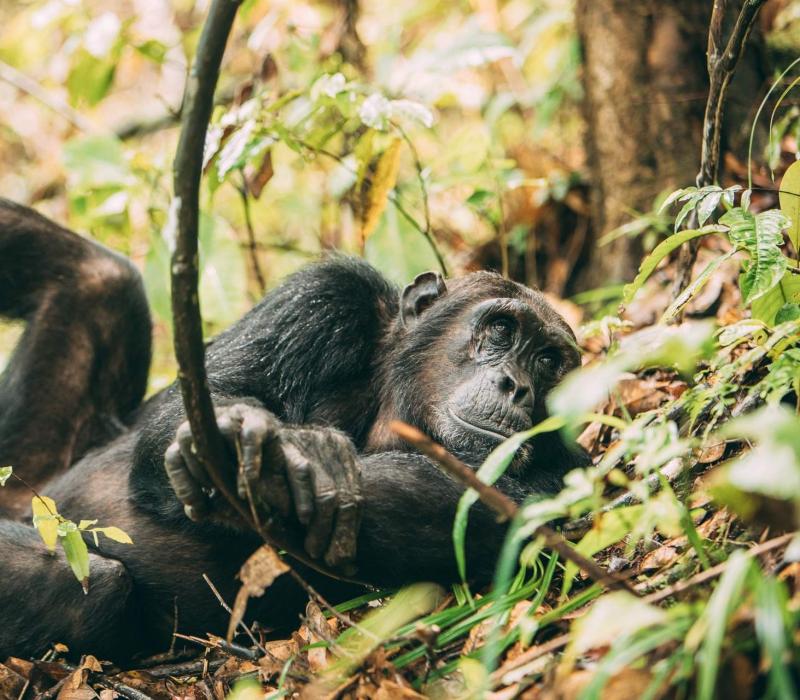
{"x":503,"y":358}
{"x":481,"y":355}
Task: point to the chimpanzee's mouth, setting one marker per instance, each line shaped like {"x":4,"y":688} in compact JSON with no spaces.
{"x":492,"y":432}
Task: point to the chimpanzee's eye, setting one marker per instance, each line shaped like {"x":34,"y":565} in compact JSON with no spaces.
{"x":549,"y":361}
{"x":501,"y":331}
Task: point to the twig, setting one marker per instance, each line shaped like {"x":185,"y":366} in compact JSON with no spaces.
{"x":314,"y":594}
{"x":503,"y":505}
{"x":23,"y":83}
{"x":242,"y":625}
{"x":223,"y":645}
{"x":717,"y":570}
{"x":721,"y":67}
{"x":188,"y":330}
{"x":531,"y":655}
{"x":428,"y":232}
{"x":252,"y":247}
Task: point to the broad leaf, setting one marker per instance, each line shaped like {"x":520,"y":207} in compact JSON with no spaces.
{"x":789,"y":197}
{"x":761,"y":235}
{"x":5,"y":474}
{"x":778,"y":301}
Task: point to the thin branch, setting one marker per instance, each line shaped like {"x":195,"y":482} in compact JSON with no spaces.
{"x":252,"y":246}
{"x":188,"y":330}
{"x":721,"y":67}
{"x":503,"y":505}
{"x":717,"y":570}
{"x":242,"y":625}
{"x":428,"y":232}
{"x":23,"y":83}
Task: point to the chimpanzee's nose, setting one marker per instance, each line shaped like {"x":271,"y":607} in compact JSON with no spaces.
{"x":511,"y":384}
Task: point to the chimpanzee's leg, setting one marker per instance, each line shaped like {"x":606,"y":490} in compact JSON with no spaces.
{"x":81,"y":365}
{"x":42,"y":601}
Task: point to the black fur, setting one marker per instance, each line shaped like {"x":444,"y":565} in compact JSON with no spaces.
{"x":327,"y":348}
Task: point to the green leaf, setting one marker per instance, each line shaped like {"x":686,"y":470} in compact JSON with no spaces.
{"x":97,"y":161}
{"x":673,"y":197}
{"x":788,"y":312}
{"x":77,"y":554}
{"x":786,"y":294}
{"x":45,"y":520}
{"x":490,"y":471}
{"x":709,"y":630}
{"x":707,"y":206}
{"x":789,"y":197}
{"x":398,"y":249}
{"x":761,"y":235}
{"x":114,"y":533}
{"x":90,"y":78}
{"x":5,"y":474}
{"x":153,"y":49}
{"x":661,"y":251}
{"x":771,"y":606}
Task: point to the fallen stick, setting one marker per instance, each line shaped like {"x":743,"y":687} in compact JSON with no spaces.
{"x":504,"y":506}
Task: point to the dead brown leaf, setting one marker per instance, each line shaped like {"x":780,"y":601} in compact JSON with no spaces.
{"x":659,"y":558}
{"x":257,"y":574}
{"x":11,"y":683}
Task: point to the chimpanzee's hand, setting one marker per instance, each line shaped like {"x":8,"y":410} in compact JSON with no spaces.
{"x":310,"y":472}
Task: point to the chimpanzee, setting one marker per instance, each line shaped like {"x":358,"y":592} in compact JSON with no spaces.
{"x":305,"y":386}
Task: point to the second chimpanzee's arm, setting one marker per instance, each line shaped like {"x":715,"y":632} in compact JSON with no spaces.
{"x":407,"y":523}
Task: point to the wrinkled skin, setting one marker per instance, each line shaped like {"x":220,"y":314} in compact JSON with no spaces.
{"x":305,"y":387}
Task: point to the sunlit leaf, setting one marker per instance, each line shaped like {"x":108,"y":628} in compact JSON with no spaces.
{"x":114,"y":533}
{"x":5,"y":474}
{"x":45,"y":520}
{"x":382,"y":184}
{"x":615,"y":615}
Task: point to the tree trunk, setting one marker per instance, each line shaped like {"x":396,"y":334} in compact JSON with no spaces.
{"x":645,"y":86}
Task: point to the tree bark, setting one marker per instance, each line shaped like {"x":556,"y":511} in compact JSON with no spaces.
{"x":645,"y":86}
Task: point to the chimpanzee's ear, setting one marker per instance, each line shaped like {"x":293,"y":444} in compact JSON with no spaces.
{"x":419,"y":295}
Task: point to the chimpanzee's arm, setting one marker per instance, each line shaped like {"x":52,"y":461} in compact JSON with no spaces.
{"x":406,"y":530}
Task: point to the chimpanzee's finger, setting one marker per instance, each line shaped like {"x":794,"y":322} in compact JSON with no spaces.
{"x":342,"y":547}
{"x":185,"y":486}
{"x":186,"y":443}
{"x":325,"y":506}
{"x":253,"y":434}
{"x":298,"y":473}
